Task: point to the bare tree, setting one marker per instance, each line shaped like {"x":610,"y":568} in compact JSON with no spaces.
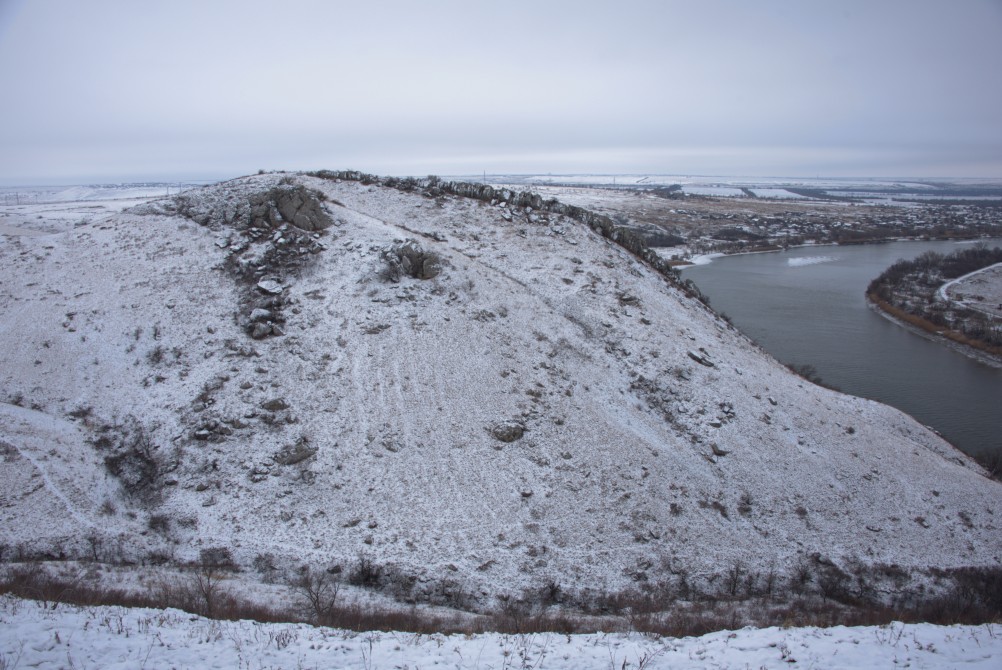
{"x":318,"y":592}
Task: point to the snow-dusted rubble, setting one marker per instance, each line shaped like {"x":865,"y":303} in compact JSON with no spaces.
{"x":545,"y":409}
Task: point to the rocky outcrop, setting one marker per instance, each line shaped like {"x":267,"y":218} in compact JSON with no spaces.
{"x":229,"y":205}
{"x":292,"y":204}
{"x":410,"y":260}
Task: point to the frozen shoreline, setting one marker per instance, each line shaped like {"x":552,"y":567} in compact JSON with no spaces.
{"x":970,"y":352}
{"x":706,"y":259}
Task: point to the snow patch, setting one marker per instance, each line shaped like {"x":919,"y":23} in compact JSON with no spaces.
{"x":810,"y":260}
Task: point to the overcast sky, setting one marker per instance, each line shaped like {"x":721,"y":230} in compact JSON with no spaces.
{"x":127,"y":90}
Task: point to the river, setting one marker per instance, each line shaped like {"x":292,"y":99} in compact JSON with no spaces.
{"x":807,"y":306}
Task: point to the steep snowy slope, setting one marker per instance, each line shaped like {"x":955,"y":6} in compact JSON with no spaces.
{"x":527,"y":404}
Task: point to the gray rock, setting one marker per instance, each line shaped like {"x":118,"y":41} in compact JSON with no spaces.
{"x":295,"y":453}
{"x":702,"y":360}
{"x":717,"y":451}
{"x":275,"y":405}
{"x":260,"y":314}
{"x":507,"y":431}
{"x":269,"y":286}
{"x":261,"y":331}
{"x":290,"y":204}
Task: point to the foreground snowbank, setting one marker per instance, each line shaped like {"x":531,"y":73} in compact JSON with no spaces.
{"x":115,"y":637}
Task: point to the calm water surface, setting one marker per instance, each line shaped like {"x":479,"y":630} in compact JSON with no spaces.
{"x":806,"y":306}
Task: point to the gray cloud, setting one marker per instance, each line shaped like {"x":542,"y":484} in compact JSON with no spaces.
{"x":113,"y":89}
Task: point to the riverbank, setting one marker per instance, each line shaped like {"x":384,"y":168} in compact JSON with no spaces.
{"x":704,"y":259}
{"x":955,"y":340}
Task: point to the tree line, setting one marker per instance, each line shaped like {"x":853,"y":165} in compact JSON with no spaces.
{"x":911,"y":286}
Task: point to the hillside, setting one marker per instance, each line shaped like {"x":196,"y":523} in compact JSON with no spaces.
{"x":448,"y":397}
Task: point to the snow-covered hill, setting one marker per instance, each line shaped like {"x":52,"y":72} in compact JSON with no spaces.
{"x":527,"y":404}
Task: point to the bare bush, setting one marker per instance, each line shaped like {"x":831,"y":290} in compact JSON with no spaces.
{"x":134,"y":458}
{"x":317,"y":592}
{"x":365,"y":573}
{"x":216,"y":557}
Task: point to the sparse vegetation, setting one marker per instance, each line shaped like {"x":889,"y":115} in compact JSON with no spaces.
{"x":133,"y":458}
{"x":816,"y":593}
{"x":908,"y":290}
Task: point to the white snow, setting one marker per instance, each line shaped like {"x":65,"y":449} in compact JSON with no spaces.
{"x":34,"y":636}
{"x":776,"y":193}
{"x":704,"y":259}
{"x":726,"y":191}
{"x":619,"y":477}
{"x":943,"y":291}
{"x":810,"y":260}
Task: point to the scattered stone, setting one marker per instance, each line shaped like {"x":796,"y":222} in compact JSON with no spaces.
{"x":275,"y":405}
{"x":260,"y":314}
{"x":269,"y":286}
{"x":295,"y":453}
{"x":717,"y":451}
{"x":702,"y":360}
{"x":409,"y":259}
{"x":259,"y":331}
{"x":507,"y":431}
{"x":629,"y":300}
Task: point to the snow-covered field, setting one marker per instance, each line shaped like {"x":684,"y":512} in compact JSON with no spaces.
{"x":31,"y":211}
{"x":34,"y":636}
{"x":980,"y":290}
{"x":717,"y":191}
{"x":781,"y":193}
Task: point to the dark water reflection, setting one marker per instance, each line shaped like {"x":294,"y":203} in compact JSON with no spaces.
{"x":806,"y":306}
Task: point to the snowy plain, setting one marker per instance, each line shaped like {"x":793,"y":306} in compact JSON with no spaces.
{"x":112,"y":638}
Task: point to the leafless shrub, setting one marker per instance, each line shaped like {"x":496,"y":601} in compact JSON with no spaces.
{"x":991,"y":462}
{"x":134,"y":459}
{"x":217,"y":558}
{"x":745,"y":504}
{"x":159,"y":523}
{"x":364,"y":573}
{"x":732,"y":580}
{"x":317,"y":592}
{"x":208,"y":586}
{"x":967,"y":595}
